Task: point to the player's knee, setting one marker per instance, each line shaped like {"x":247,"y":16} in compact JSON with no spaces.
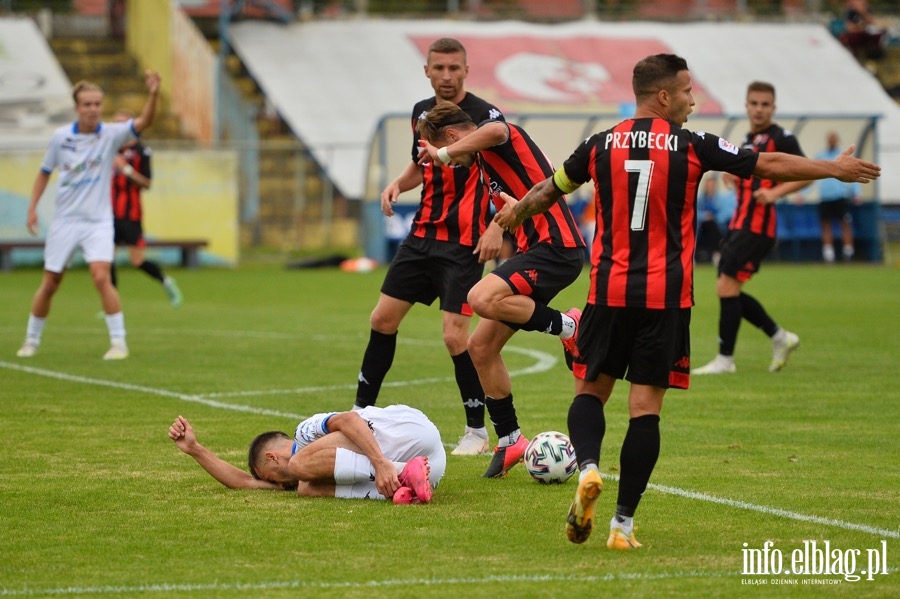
{"x":455,"y":343}
{"x":477,"y":350}
{"x":385,"y":324}
{"x":480,"y":303}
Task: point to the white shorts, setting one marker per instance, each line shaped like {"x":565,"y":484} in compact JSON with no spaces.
{"x":94,"y":238}
{"x":402,"y":433}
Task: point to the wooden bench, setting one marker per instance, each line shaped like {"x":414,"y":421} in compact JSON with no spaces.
{"x":190,"y":249}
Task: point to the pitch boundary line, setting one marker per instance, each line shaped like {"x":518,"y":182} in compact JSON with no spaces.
{"x":372,"y":584}
{"x":685,"y":493}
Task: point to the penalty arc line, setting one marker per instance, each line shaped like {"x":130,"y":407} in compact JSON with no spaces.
{"x":686,"y":493}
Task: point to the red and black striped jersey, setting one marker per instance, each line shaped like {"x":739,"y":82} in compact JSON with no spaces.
{"x":646,"y":174}
{"x":749,"y":215}
{"x":515,"y":166}
{"x":455,"y":201}
{"x":126,"y":194}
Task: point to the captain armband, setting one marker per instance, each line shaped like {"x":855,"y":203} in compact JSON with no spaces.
{"x":563,"y":183}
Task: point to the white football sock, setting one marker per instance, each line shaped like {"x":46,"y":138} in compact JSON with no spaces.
{"x":510,"y":439}
{"x":115,"y":323}
{"x":587,"y":469}
{"x":35,"y":328}
{"x":568,"y":326}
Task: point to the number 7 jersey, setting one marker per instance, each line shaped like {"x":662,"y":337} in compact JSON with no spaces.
{"x":646,"y":175}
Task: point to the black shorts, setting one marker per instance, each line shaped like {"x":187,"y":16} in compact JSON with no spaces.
{"x":743,"y":253}
{"x":542,"y":272}
{"x":643,"y":346}
{"x":128,"y":232}
{"x":835,"y":210}
{"x":425,"y":269}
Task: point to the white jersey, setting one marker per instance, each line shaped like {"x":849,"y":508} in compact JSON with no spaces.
{"x":401,"y":432}
{"x":85,"y":163}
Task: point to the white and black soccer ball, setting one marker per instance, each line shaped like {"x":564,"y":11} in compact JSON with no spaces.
{"x":550,"y":458}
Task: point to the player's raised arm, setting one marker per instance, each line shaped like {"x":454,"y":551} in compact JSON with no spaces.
{"x":788,"y":167}
{"x":145,"y":119}
{"x":182,"y":433}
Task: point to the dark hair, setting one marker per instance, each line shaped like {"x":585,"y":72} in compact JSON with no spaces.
{"x":258,"y":446}
{"x":446,"y":45}
{"x":761,"y":86}
{"x":444,"y":114}
{"x":655,"y":73}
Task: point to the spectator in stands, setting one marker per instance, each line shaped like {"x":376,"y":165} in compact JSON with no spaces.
{"x":835,"y":200}
{"x":84,"y":153}
{"x":709,"y":235}
{"x":862,"y":35}
{"x":751,"y":235}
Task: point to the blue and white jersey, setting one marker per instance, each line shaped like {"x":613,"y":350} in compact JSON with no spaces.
{"x":401,"y":432}
{"x":85,"y":163}
{"x":314,"y":427}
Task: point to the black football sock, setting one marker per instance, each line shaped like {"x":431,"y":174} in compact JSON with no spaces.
{"x":376,"y":362}
{"x":469,"y":389}
{"x":503,"y":414}
{"x":729,"y":324}
{"x":756,"y":315}
{"x":587,"y":426}
{"x":640,"y":450}
{"x":152,"y":269}
{"x":113,"y":275}
{"x":544,"y":319}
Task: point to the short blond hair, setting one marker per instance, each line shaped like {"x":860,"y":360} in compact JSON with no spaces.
{"x":84,"y":86}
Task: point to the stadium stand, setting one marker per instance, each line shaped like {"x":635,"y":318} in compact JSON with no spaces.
{"x":325,"y":134}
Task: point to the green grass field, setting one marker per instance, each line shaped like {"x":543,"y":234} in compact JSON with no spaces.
{"x":97,"y":501}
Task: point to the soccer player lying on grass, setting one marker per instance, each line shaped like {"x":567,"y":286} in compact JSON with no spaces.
{"x":373,"y":453}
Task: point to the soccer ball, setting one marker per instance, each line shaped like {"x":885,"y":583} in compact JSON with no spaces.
{"x":550,"y":458}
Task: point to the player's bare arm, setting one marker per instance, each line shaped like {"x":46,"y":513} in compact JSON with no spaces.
{"x":539,"y":199}
{"x":40,"y":184}
{"x":770,"y":195}
{"x":145,"y":119}
{"x":182,"y":433}
{"x":486,"y":136}
{"x":788,"y":167}
{"x":358,"y":432}
{"x":119,"y":164}
{"x":410,"y":178}
{"x":490,"y":243}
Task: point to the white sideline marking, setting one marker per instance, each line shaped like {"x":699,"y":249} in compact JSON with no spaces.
{"x":372,"y":584}
{"x":542,"y":362}
{"x":894,"y":534}
{"x":772,"y":511}
{"x":149,"y":390}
